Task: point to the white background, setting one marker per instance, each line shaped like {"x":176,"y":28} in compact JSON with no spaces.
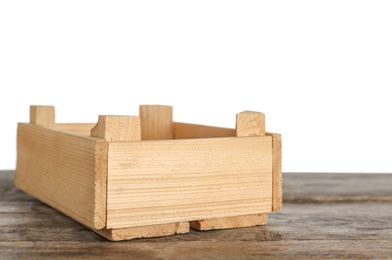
{"x":321,"y":71}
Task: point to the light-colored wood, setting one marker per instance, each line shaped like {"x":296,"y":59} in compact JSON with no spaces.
{"x":64,"y":170}
{"x":127,"y":128}
{"x":276,"y":171}
{"x":230,"y":222}
{"x":42,"y":115}
{"x":187,"y":131}
{"x":117,"y":128}
{"x":100,"y":184}
{"x":144,"y":231}
{"x":78,"y":128}
{"x":159,"y":182}
{"x":156,"y":122}
{"x":250,"y":123}
{"x":128,"y":177}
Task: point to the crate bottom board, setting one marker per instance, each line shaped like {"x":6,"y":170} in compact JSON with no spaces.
{"x":183,"y":227}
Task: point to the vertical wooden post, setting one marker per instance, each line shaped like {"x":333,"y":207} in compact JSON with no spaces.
{"x":253,"y":124}
{"x":128,"y":128}
{"x":248,"y":123}
{"x":117,"y":128}
{"x":156,"y":122}
{"x":42,"y":115}
{"x":110,"y":128}
{"x":276,"y":171}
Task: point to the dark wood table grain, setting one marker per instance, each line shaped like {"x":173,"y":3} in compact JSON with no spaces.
{"x":324,"y":215}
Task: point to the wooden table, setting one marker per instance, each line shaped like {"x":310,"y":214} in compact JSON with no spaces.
{"x":324,"y":215}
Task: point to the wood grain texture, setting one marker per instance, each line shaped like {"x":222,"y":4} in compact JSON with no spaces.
{"x":332,"y":229}
{"x":127,"y":128}
{"x":144,"y":231}
{"x":230,"y":222}
{"x":78,"y":128}
{"x":70,"y":179}
{"x":276,"y":171}
{"x":42,"y":115}
{"x":187,"y":131}
{"x":156,"y":182}
{"x":249,"y":123}
{"x":117,"y":128}
{"x":336,"y":187}
{"x":156,"y":122}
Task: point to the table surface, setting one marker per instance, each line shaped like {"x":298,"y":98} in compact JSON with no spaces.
{"x":324,"y":215}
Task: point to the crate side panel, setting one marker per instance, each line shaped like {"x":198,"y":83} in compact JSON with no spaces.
{"x":156,"y":182}
{"x":59,"y":169}
{"x":276,"y":171}
{"x":188,"y":131}
{"x":78,"y":128}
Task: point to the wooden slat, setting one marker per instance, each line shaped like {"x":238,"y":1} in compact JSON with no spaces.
{"x":156,"y":122}
{"x":276,"y":171}
{"x":144,"y":231}
{"x":187,"y":131}
{"x":156,"y":182}
{"x":66,"y":171}
{"x":79,"y":128}
{"x":230,"y":222}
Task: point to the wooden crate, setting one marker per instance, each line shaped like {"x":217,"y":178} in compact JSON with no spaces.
{"x":129,"y":177}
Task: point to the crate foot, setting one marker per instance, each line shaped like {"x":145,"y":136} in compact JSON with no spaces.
{"x":144,"y":231}
{"x":230,"y":222}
